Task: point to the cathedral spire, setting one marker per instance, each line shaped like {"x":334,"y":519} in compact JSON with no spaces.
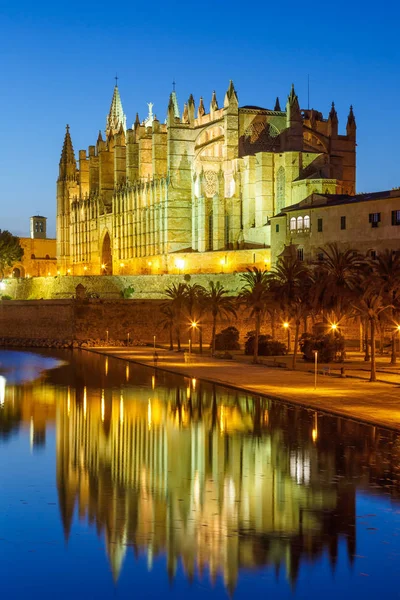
{"x":214,"y":102}
{"x":277,"y":104}
{"x":333,"y":122}
{"x":201,"y":111}
{"x":351,"y":124}
{"x":67,"y":160}
{"x":231,"y":95}
{"x":116,"y":114}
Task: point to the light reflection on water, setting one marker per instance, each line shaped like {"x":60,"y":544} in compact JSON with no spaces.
{"x":194,"y":484}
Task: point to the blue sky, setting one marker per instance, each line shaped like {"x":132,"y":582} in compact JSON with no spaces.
{"x":59,"y":61}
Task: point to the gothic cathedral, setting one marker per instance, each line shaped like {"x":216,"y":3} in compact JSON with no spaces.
{"x":197,"y":191}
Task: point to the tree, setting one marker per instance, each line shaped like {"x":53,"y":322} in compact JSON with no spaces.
{"x":386,"y":269}
{"x":219,"y":304}
{"x":167,"y":322}
{"x":371,"y":304}
{"x":10,"y":250}
{"x":336,"y":278}
{"x":176,"y":302}
{"x":290,"y":284}
{"x":254,"y":295}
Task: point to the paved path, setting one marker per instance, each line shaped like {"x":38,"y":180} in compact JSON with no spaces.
{"x":377,"y":403}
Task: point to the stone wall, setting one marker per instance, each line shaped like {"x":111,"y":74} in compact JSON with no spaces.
{"x":96,"y":320}
{"x":110,"y":287}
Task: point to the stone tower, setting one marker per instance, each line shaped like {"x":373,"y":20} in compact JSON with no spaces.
{"x":38,"y":227}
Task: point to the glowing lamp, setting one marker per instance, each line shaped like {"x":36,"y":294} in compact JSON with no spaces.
{"x":180,"y":264}
{"x":193,"y":324}
{"x":122,"y":265}
{"x":286,"y":325}
{"x":334,"y":326}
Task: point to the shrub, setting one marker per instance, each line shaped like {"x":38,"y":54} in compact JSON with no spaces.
{"x":329,"y":346}
{"x":6,"y":297}
{"x":187,"y":277}
{"x":266,"y":345}
{"x":227,"y":339}
{"x":127,"y":292}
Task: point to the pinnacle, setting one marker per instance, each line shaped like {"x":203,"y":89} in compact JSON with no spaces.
{"x":67,"y":154}
{"x":116,"y":115}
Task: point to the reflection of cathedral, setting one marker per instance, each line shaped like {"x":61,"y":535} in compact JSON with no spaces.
{"x":200,"y":182}
{"x":180,"y":474}
{"x":163,"y":466}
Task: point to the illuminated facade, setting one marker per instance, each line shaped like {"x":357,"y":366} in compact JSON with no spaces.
{"x":196,"y":193}
{"x":39,"y":259}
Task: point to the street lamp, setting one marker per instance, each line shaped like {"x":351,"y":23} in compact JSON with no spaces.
{"x":334,"y":327}
{"x":287,"y":327}
{"x":193,"y":326}
{"x":315,"y":368}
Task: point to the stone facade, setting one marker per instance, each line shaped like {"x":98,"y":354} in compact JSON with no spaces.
{"x":368,"y":223}
{"x":39,"y":259}
{"x":146,"y":198}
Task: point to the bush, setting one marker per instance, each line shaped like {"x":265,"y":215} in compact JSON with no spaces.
{"x":266,"y":345}
{"x":227,"y":339}
{"x":329,"y":346}
{"x":187,"y":277}
{"x":127,"y":292}
{"x":6,"y":297}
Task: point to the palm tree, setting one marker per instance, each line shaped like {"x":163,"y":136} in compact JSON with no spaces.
{"x":219,"y":304}
{"x":386,"y":268}
{"x":194,"y":306}
{"x":176,"y":301}
{"x":168,"y":322}
{"x":371,"y":304}
{"x":290,"y":284}
{"x":337,"y":277}
{"x":254,"y":296}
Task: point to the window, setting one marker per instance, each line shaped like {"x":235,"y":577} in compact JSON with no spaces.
{"x":395,"y":217}
{"x":319,"y":225}
{"x":300,"y":254}
{"x":293,"y":224}
{"x":277,"y":228}
{"x":342,"y":222}
{"x":306,"y":222}
{"x":374,"y":219}
{"x":372,"y":254}
{"x":33,"y":257}
{"x":320,"y":256}
{"x":299,"y":223}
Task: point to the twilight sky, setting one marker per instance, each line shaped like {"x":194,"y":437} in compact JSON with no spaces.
{"x":59,"y":60}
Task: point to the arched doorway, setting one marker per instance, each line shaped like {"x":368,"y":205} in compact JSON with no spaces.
{"x":106,"y":256}
{"x":18,"y":272}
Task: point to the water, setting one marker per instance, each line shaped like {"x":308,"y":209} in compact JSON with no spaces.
{"x":120,"y":481}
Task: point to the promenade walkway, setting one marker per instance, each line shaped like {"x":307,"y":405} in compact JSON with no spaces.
{"x":355,"y":397}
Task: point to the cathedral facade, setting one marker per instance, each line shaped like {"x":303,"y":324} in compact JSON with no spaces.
{"x":196,"y":193}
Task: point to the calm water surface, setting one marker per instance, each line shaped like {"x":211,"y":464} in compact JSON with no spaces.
{"x":118,"y":481}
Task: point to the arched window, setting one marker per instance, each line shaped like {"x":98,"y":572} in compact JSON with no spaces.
{"x":293,"y":224}
{"x":280,"y":189}
{"x":307,"y":222}
{"x":210,"y":231}
{"x":47,"y":257}
{"x":299,"y":223}
{"x":33,"y":256}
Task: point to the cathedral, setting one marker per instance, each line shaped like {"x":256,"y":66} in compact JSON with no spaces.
{"x":197,"y":192}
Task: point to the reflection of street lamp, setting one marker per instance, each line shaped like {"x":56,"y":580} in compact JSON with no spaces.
{"x":314,"y":433}
{"x":287,"y":327}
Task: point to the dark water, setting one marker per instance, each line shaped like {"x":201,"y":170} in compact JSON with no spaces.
{"x":116,"y":481}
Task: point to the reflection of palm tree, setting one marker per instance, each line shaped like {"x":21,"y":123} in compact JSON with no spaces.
{"x":254,"y":296}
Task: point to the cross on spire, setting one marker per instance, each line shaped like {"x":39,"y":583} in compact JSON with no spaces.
{"x":173,"y":85}
{"x":116,"y":80}
{"x":67,"y":128}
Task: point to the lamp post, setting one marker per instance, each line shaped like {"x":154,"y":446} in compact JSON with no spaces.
{"x":154,"y":342}
{"x":193,"y":325}
{"x":287,"y":327}
{"x":315,"y":368}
